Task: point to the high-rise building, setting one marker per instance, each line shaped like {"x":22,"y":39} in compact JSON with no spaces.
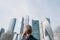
{"x":22,"y":26}
{"x":10,"y":33}
{"x":26,"y":20}
{"x":12,"y":25}
{"x":36,"y":29}
{"x":2,"y":31}
{"x":48,"y":33}
{"x":41,"y":31}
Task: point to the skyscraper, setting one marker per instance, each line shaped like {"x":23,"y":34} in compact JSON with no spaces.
{"x":22,"y":26}
{"x":35,"y":29}
{"x":26,"y":20}
{"x":2,"y":31}
{"x":48,"y":34}
{"x":12,"y":25}
{"x":9,"y":34}
{"x":41,"y":31}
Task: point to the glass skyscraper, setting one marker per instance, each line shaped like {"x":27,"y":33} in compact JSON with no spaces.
{"x":22,"y":26}
{"x":10,"y":33}
{"x":48,"y":34}
{"x":26,"y":20}
{"x":36,"y":29}
{"x":2,"y":31}
{"x":12,"y":25}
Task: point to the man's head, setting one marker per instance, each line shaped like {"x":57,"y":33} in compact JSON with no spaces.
{"x":28,"y":29}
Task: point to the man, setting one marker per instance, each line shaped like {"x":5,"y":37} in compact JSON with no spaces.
{"x":27,"y":33}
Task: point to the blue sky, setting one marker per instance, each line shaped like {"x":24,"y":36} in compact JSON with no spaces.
{"x":39,"y":9}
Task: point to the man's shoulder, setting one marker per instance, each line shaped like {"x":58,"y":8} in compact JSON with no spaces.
{"x":32,"y":38}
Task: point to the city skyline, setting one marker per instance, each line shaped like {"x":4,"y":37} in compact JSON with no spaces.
{"x":36,"y":9}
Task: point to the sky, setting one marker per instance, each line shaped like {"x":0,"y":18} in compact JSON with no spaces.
{"x":36,"y":9}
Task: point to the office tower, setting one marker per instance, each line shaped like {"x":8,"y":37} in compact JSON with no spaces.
{"x":48,"y":34}
{"x":12,"y":25}
{"x":9,"y":34}
{"x":22,"y":26}
{"x":41,"y":31}
{"x":26,"y":20}
{"x":2,"y":31}
{"x":36,"y":29}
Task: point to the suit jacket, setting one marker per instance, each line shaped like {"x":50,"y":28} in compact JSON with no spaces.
{"x":30,"y":37}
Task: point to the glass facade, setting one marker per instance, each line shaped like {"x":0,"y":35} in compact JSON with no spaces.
{"x":12,"y":25}
{"x":47,"y":34}
{"x":35,"y":29}
{"x":22,"y":26}
{"x":2,"y":31}
{"x":26,"y":20}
